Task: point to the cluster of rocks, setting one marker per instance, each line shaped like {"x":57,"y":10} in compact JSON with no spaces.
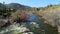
{"x":32,"y":25}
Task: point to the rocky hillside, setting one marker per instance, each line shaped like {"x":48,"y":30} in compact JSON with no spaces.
{"x":18,"y":6}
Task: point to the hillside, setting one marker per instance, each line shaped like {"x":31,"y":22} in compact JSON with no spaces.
{"x":21,"y":21}
{"x":18,"y":6}
{"x":51,"y":15}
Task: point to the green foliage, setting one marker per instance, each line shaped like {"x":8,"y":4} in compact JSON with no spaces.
{"x":38,"y":9}
{"x":49,"y":5}
{"x":5,"y":11}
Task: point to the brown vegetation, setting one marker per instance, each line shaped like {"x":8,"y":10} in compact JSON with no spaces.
{"x":18,"y":16}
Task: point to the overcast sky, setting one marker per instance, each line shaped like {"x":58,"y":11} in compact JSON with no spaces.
{"x":32,"y":3}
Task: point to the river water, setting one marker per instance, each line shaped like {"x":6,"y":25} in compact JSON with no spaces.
{"x":34,"y":24}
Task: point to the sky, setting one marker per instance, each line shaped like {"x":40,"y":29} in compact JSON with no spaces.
{"x":32,"y":3}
